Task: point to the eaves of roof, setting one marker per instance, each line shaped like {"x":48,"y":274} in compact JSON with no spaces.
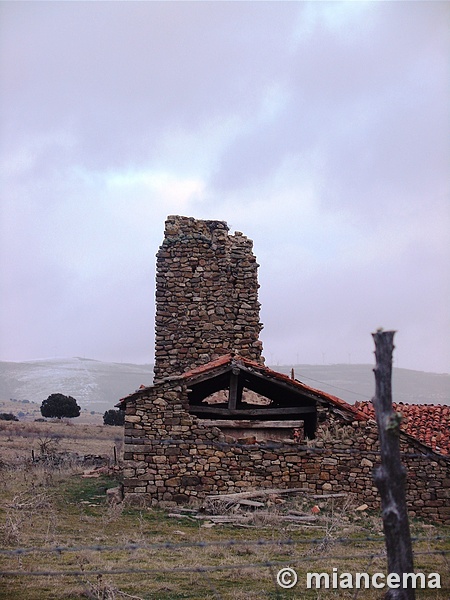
{"x":250,"y":365}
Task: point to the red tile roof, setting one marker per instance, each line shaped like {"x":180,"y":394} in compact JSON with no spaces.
{"x":428,"y":423}
{"x":213,"y":364}
{"x":228,"y":359}
{"x":269,"y":373}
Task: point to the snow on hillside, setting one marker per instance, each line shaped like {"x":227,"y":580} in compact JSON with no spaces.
{"x":95,"y":385}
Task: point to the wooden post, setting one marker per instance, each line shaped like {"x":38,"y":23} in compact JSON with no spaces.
{"x":390,"y":476}
{"x":233,"y":396}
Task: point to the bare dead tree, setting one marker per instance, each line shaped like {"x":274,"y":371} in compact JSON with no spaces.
{"x":390,"y":476}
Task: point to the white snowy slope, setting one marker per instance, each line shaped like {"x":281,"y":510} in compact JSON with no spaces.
{"x":96,"y":385}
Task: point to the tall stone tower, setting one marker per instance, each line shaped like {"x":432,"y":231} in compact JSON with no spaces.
{"x":206,"y":296}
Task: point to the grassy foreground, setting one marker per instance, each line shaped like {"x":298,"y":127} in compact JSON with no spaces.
{"x":59,"y":504}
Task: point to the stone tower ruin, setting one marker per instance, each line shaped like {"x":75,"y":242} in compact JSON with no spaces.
{"x":206,"y":296}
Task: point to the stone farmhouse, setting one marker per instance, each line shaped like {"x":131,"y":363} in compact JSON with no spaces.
{"x":217,"y":420}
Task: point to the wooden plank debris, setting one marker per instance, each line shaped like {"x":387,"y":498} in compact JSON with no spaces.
{"x":326,"y":496}
{"x":245,"y":518}
{"x":258,"y":493}
{"x":251,"y":503}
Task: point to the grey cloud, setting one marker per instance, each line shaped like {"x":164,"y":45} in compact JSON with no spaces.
{"x":371,"y":105}
{"x":334,"y":311}
{"x":340,"y":176}
{"x":119,"y":73}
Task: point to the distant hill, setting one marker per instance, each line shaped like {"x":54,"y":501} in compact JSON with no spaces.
{"x":357,"y":382}
{"x":96,"y":385}
{"x":99,"y":385}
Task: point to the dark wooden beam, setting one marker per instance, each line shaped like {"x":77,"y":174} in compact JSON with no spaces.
{"x":251,"y":412}
{"x":254,"y":424}
{"x":237,"y":377}
{"x":269,"y":384}
{"x":234,"y":389}
{"x":202,"y":389}
{"x":213,"y":405}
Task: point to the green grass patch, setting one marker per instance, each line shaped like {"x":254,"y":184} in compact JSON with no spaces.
{"x":78,"y":489}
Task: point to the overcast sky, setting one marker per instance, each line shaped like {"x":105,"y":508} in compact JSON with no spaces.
{"x":319,"y":130}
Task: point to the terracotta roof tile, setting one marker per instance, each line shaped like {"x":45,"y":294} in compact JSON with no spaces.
{"x":263,"y":370}
{"x":218,"y":362}
{"x":429,"y":423}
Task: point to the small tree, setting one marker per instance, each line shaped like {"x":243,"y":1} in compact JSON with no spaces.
{"x":58,"y":406}
{"x":8,"y":417}
{"x":114,"y":417}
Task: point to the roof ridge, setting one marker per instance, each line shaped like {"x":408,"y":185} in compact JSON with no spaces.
{"x":335,"y":400}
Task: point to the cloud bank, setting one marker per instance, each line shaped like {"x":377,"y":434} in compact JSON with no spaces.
{"x":320,"y":130}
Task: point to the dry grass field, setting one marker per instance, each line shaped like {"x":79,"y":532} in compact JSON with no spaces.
{"x":19,"y":439}
{"x":61,"y":538}
{"x":29,"y":411}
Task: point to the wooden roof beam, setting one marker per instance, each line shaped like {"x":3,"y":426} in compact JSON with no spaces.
{"x":251,"y":412}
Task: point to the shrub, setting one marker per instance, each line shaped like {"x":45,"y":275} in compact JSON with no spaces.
{"x":8,"y":417}
{"x":114,"y":417}
{"x":58,"y":406}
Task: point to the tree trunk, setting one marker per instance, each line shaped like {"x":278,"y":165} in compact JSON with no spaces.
{"x":390,"y":477}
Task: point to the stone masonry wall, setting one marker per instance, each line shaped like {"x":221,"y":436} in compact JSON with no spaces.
{"x":206,"y":296}
{"x":170,"y":455}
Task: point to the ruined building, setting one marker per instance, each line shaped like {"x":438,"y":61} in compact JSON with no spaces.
{"x":217,"y":420}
